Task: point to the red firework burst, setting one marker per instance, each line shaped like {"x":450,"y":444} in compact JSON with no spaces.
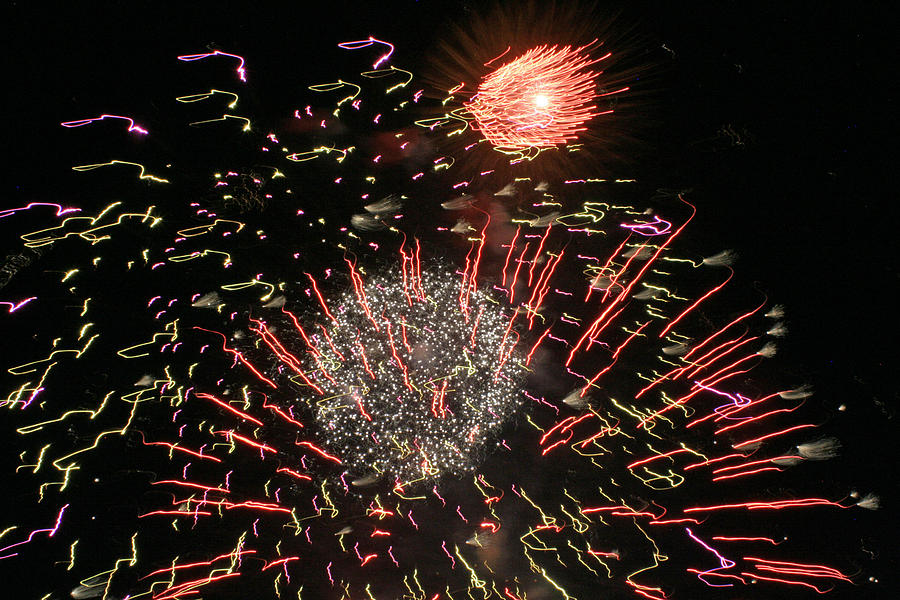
{"x":541,"y":99}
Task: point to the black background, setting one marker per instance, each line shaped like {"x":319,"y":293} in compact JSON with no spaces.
{"x":777,"y":116}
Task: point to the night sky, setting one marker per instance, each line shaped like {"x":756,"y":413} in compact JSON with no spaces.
{"x":774,"y":115}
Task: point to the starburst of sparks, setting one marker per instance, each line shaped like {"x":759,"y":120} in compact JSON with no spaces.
{"x":408,"y":376}
{"x":525,"y":406}
{"x":541,"y":99}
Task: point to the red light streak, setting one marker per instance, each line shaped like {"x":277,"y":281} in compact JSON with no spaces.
{"x":542,"y":287}
{"x":294,"y":474}
{"x":191,"y":485}
{"x":319,"y":297}
{"x":309,"y":345}
{"x":397,"y":359}
{"x":238,"y":356}
{"x":287,"y":357}
{"x":714,"y":574}
{"x":792,"y":568}
{"x":362,"y":409}
{"x":512,"y":245}
{"x":711,"y":380}
{"x":229,"y":408}
{"x":564,"y":425}
{"x":786,"y":581}
{"x":645,"y":591}
{"x":600,"y":433}
{"x":515,"y":279}
{"x":244,"y":440}
{"x":723,"y":538}
{"x":494,"y":527}
{"x":320,"y":452}
{"x":438,"y":408}
{"x":698,"y":365}
{"x":381,"y":512}
{"x":748,"y":420}
{"x":696,"y":303}
{"x":674,"y":521}
{"x":614,"y":555}
{"x":362,"y":355}
{"x":776,"y":505}
{"x":614,"y":280}
{"x":182,"y":449}
{"x":250,"y":504}
{"x":771,"y":435}
{"x":586,"y":511}
{"x":537,"y":254}
{"x":696,"y":348}
{"x":360,"y":292}
{"x":743,"y":473}
{"x":656,"y":457}
{"x":605,"y":267}
{"x":726,"y":412}
{"x":725,"y":328}
{"x":470,"y":275}
{"x":280,"y":561}
{"x":183,"y":589}
{"x":283,"y":415}
{"x":206,"y":563}
{"x":749,"y":464}
{"x":368,"y":558}
{"x":615,"y":357}
{"x":536,"y":344}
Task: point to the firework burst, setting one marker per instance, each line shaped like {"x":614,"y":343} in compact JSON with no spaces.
{"x":519,"y":389}
{"x":408,"y":376}
{"x":541,"y":99}
{"x":545,"y":90}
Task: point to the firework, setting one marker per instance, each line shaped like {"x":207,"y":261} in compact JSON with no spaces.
{"x":541,"y":99}
{"x":544,"y":90}
{"x":444,"y":387}
{"x":409,"y":375}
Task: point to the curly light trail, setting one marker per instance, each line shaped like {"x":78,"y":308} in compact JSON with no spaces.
{"x":656,"y":227}
{"x":141,"y":175}
{"x":51,"y":531}
{"x":191,"y":98}
{"x":242,"y":73}
{"x":131,"y":124}
{"x":541,"y":99}
{"x":14,"y":306}
{"x":357,"y":45}
{"x":6,"y":212}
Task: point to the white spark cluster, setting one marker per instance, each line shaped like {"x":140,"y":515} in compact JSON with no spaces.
{"x":422,"y":395}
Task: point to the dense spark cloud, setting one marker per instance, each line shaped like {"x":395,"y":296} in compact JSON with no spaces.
{"x":541,"y":99}
{"x":548,"y":397}
{"x":411,"y":374}
{"x":545,"y":90}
